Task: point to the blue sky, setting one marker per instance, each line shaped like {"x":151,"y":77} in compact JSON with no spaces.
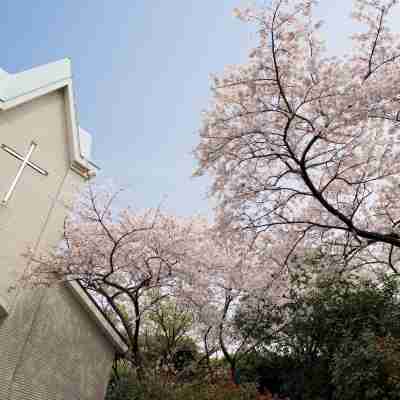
{"x":141,"y":74}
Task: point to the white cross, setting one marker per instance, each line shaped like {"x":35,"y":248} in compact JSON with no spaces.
{"x":25,"y":162}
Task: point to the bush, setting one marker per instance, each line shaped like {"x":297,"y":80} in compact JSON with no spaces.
{"x":340,"y":340}
{"x":156,"y":387}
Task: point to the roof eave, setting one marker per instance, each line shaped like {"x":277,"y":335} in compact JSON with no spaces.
{"x":97,"y":316}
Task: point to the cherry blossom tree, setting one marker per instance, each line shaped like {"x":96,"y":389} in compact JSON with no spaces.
{"x":132,"y":263}
{"x":226,"y":269}
{"x":129,"y":261}
{"x":303,"y":147}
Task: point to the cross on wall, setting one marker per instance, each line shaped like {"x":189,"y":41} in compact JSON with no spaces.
{"x":25,"y":163}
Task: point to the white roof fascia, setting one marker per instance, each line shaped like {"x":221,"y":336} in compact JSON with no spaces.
{"x":15,"y":85}
{"x":99,"y":319}
{"x":78,"y":163}
{"x":16,"y":89}
{"x":24,"y":98}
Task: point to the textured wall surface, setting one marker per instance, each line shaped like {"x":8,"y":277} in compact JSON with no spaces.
{"x":50,"y":349}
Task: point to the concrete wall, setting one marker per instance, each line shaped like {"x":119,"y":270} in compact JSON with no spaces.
{"x":49,"y":346}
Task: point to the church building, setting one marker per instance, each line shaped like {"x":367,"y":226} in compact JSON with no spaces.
{"x":55,"y":343}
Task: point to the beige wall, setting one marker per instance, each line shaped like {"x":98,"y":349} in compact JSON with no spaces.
{"x":24,"y":219}
{"x":49,"y":347}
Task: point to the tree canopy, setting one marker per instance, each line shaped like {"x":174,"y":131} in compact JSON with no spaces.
{"x":302,"y":146}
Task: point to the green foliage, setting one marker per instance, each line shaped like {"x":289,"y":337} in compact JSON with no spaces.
{"x":165,"y":340}
{"x":180,"y":356}
{"x":185,"y":353}
{"x":166,"y":350}
{"x":334,"y":339}
{"x":158,"y":387}
{"x":122,"y":382}
{"x":358,"y":371}
{"x":121,"y":389}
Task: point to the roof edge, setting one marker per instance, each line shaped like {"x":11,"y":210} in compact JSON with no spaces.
{"x":22,"y":83}
{"x":97,"y":316}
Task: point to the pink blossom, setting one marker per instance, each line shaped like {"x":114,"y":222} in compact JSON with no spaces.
{"x":303,"y":147}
